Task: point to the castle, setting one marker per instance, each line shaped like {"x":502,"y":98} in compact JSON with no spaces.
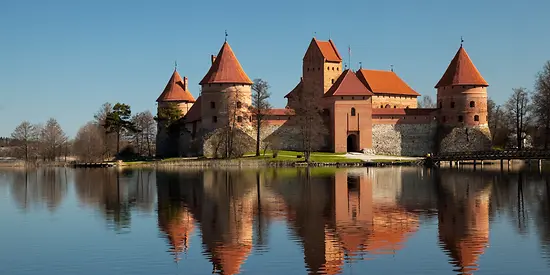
{"x":365,"y":110}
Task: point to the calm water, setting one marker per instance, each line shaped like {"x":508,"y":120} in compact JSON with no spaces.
{"x":286,"y":221}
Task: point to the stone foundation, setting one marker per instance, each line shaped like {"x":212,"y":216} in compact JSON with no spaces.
{"x":464,"y":139}
{"x":403,"y":139}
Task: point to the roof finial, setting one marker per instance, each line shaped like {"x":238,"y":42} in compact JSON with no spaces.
{"x":175,"y":65}
{"x":360,"y":65}
{"x":314,"y":34}
{"x":461,"y":41}
{"x":391,"y":67}
{"x":225,"y":35}
{"x":349,"y":56}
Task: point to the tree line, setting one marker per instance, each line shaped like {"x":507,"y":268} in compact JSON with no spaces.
{"x":113,"y":132}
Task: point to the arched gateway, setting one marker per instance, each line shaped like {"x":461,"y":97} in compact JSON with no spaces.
{"x":352,"y":143}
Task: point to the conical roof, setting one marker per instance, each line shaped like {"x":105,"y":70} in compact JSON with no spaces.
{"x":176,"y":90}
{"x":226,"y":69}
{"x":461,"y":71}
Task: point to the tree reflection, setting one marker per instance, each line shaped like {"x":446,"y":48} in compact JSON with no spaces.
{"x":115,"y":193}
{"x":36,"y":188}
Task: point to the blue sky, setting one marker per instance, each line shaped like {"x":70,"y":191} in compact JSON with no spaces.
{"x":64,"y":58}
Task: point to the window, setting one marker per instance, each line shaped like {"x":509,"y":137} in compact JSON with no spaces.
{"x":308,"y":69}
{"x":444,"y":119}
{"x":352,"y":97}
{"x":460,"y":119}
{"x":337,"y":68}
{"x":472,"y":104}
{"x":212,"y":105}
{"x":476,"y":118}
{"x":452,"y":104}
{"x":239,"y":119}
{"x":394,"y":106}
{"x":440,"y":104}
{"x":381,"y":106}
{"x":239,"y":105}
{"x":352,"y":111}
{"x":387,"y":106}
{"x":333,"y":68}
{"x":214,"y":119}
{"x":332,"y":80}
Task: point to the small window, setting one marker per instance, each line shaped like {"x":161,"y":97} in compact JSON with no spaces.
{"x":308,"y":69}
{"x":212,"y":105}
{"x":333,"y":68}
{"x":444,"y":119}
{"x":318,"y":69}
{"x":363,"y":97}
{"x":440,"y":104}
{"x":332,"y":80}
{"x":388,"y":106}
{"x":337,"y":68}
{"x":342,"y":97}
{"x":239,"y":105}
{"x":352,"y":111}
{"x":460,"y":119}
{"x":239,"y":119}
{"x":214,"y":119}
{"x":328,"y":68}
{"x":394,"y":106}
{"x":452,"y":104}
{"x":476,"y":118}
{"x":381,"y":106}
{"x":472,"y":104}
{"x":352,"y":97}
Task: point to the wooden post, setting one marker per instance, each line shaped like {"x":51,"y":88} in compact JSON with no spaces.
{"x":451,"y":164}
{"x":501,"y":164}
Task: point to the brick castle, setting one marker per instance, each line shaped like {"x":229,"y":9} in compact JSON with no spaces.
{"x":365,"y":110}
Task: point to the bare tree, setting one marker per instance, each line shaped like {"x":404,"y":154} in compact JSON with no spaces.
{"x":145,"y":133}
{"x":308,"y":118}
{"x":260,"y":108}
{"x":497,"y":121}
{"x":53,"y":139}
{"x":541,"y":102}
{"x":26,"y":136}
{"x":88,"y":143}
{"x":426,"y":102}
{"x":518,"y":107}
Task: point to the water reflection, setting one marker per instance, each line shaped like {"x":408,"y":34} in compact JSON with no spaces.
{"x":116,"y":193}
{"x":34,"y":189}
{"x":339,"y":218}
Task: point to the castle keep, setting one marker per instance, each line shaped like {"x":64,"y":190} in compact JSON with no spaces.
{"x":366,"y":110}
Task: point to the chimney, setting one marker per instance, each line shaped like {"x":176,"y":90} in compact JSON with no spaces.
{"x":213,"y":57}
{"x":185,"y":83}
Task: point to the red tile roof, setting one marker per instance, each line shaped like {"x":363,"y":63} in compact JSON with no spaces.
{"x":176,"y":90}
{"x":194,"y":113}
{"x":296,"y":89}
{"x":461,"y":71}
{"x":385,"y":82}
{"x":402,"y":112}
{"x":348,"y":84}
{"x":280,"y":112}
{"x":328,"y":49}
{"x":226,"y":69}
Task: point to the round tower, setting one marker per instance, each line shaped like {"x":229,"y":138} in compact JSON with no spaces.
{"x":462,"y":93}
{"x":175,"y":94}
{"x":226,"y":92}
{"x":462,"y":103}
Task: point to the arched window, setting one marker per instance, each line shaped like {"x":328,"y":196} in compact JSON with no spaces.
{"x":239,"y":105}
{"x":452,"y":104}
{"x":328,"y":68}
{"x":333,"y":68}
{"x":472,"y":104}
{"x":394,"y":106}
{"x":476,"y":118}
{"x":381,"y":106}
{"x":460,"y":119}
{"x":387,"y":106}
{"x":352,"y":111}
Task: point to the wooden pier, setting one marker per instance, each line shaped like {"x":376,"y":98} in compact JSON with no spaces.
{"x":94,"y":165}
{"x":478,"y":157}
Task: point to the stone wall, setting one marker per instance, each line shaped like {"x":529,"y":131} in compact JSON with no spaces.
{"x":403,"y":139}
{"x":464,"y":139}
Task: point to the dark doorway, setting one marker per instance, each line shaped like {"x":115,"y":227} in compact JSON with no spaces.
{"x":352,"y":143}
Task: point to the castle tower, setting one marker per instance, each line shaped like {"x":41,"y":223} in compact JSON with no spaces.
{"x":322,"y":65}
{"x":462,"y":93}
{"x":176,"y":93}
{"x":226,"y":92}
{"x":462,"y":103}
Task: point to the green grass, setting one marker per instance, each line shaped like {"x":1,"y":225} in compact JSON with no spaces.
{"x":293,"y":156}
{"x":393,"y":160}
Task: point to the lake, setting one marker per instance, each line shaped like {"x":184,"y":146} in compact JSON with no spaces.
{"x":400,"y":220}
